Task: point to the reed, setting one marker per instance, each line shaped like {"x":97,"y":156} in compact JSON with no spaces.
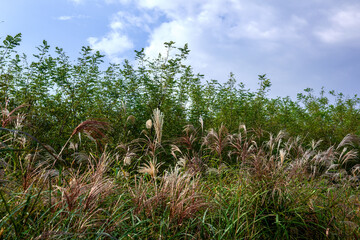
{"x":273,"y":187}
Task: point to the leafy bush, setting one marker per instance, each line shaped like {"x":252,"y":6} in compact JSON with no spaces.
{"x":152,"y":151}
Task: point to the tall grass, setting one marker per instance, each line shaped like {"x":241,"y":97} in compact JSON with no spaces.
{"x":221,"y":185}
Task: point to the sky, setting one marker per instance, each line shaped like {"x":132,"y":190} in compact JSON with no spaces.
{"x":298,"y":44}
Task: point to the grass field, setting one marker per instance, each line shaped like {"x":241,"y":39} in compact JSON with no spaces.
{"x":275,"y":190}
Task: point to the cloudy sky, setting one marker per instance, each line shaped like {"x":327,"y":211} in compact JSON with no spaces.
{"x":298,"y":44}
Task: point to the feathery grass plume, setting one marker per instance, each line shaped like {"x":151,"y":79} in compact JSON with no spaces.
{"x":146,"y":199}
{"x":201,"y":120}
{"x":17,"y":122}
{"x":189,"y":139}
{"x":148,"y":124}
{"x":193,"y":166}
{"x":6,"y":115}
{"x":131,"y":119}
{"x":347,"y":155}
{"x":269,"y":164}
{"x":241,"y":145}
{"x":181,"y":163}
{"x":99,"y":189}
{"x":175,"y":149}
{"x":274,"y":143}
{"x":74,"y":146}
{"x":86,"y":190}
{"x":37,"y":168}
{"x":315,"y":163}
{"x":100,"y":166}
{"x":150,"y":146}
{"x":217,"y":141}
{"x":130,"y":151}
{"x":31,"y":137}
{"x":93,"y":128}
{"x":158,"y":120}
{"x":295,"y":147}
{"x":151,"y":167}
{"x":243,"y":127}
{"x":355,"y":170}
{"x":282,"y":155}
{"x":70,"y":195}
{"x":80,"y":157}
{"x":189,"y":158}
{"x":319,"y":161}
{"x":127,"y":160}
{"x":183,"y":194}
{"x":178,"y":197}
{"x":315,"y":144}
{"x":351,"y":140}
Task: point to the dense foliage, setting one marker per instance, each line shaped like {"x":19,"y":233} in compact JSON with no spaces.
{"x":151,"y":150}
{"x":60,"y":94}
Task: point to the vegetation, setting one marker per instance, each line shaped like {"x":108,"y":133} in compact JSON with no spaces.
{"x":152,"y":151}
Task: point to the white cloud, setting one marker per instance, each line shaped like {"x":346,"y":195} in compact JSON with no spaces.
{"x":227,"y":21}
{"x":226,"y":34}
{"x":77,"y":1}
{"x":118,"y":1}
{"x":116,"y":25}
{"x":343,"y":26}
{"x":117,"y":40}
{"x":169,"y":7}
{"x":112,"y":44}
{"x":125,"y":19}
{"x":246,"y":37}
{"x":65,"y":18}
{"x":181,"y":32}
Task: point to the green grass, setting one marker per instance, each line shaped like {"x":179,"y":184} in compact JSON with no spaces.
{"x":92,"y":154}
{"x":263,"y":198}
{"x":208,"y":185}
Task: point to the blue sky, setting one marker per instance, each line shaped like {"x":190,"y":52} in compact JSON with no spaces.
{"x":298,"y":44}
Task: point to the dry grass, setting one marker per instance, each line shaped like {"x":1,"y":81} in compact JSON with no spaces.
{"x":158,"y":121}
{"x":92,"y":128}
{"x":217,"y":141}
{"x":151,"y":168}
{"x":276,"y":189}
{"x":7,"y":116}
{"x":87,"y":187}
{"x":178,"y":195}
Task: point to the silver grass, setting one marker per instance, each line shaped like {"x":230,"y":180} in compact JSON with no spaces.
{"x":158,"y":120}
{"x":349,"y":139}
